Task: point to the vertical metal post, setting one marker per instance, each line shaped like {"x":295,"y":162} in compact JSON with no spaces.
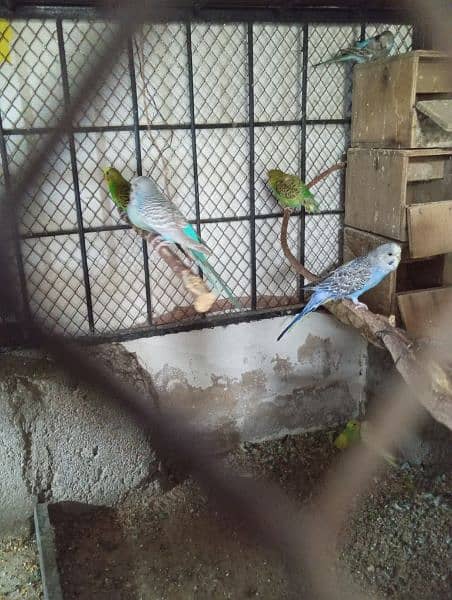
{"x":12,"y":212}
{"x":304,"y":98}
{"x":252,"y":166}
{"x":78,"y":203}
{"x":362,"y":35}
{"x":192,"y":126}
{"x":136,"y":130}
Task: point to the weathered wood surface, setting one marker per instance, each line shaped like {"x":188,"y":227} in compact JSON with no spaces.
{"x":430,"y":228}
{"x":421,"y":311}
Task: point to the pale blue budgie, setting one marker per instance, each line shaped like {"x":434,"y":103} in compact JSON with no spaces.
{"x":351,"y":280}
{"x":366,"y":50}
{"x":150,"y":210}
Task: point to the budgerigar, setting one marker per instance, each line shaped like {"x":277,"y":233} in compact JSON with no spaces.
{"x":118,"y":187}
{"x":355,"y":432}
{"x":149,"y":209}
{"x":350,"y":435}
{"x":366,"y":50}
{"x":351,"y":280}
{"x":290,"y":191}
{"x":6,"y":36}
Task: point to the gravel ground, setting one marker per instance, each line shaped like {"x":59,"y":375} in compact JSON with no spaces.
{"x":20,"y":578}
{"x":397,"y":543}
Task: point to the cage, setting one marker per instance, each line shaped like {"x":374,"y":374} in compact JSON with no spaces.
{"x":205,"y":100}
{"x":206,"y":97}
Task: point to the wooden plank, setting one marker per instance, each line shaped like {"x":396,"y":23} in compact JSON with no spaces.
{"x":434,"y":76}
{"x":420,"y":152}
{"x":425,"y":170}
{"x":376,"y":192}
{"x":45,"y":539}
{"x":430,"y":228}
{"x":383,"y":100}
{"x":423,"y":311}
{"x":439,"y":111}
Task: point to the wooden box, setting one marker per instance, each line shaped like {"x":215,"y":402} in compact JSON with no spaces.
{"x":423,"y":312}
{"x":412,"y":274}
{"x":404,"y":195}
{"x":395,"y":101}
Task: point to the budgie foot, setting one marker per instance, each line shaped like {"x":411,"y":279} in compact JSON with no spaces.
{"x":359,"y":304}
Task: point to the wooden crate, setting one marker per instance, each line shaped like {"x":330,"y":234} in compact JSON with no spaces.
{"x":395,"y":101}
{"x":412,"y":274}
{"x":423,"y":311}
{"x":404,"y":195}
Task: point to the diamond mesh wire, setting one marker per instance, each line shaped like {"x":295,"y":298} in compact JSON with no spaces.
{"x":115,"y":263}
{"x":230,"y":244}
{"x":112,"y":104}
{"x":220,"y":169}
{"x":223,"y":170}
{"x":220,"y":73}
{"x":55,"y":283}
{"x":161,"y":62}
{"x":277,"y":72}
{"x":276,"y":282}
{"x":326,"y":145}
{"x":49,"y":207}
{"x":329,"y":86}
{"x":31,"y":83}
{"x":322,"y":235}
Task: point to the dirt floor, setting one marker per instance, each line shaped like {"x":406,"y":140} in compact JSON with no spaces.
{"x":20,"y":578}
{"x":397,"y":544}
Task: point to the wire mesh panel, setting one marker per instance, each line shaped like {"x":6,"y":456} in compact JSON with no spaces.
{"x":204,"y":109}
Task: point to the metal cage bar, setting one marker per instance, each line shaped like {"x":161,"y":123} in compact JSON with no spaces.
{"x":136,"y":131}
{"x":78,"y":203}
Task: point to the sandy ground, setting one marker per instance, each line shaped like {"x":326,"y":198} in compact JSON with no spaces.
{"x":20,"y":578}
{"x":397,"y":543}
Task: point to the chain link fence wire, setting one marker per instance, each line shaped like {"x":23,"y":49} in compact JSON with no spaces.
{"x":205,"y":109}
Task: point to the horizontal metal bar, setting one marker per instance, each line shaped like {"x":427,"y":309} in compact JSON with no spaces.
{"x":165,"y":13}
{"x":211,"y":220}
{"x":203,"y":322}
{"x":179,"y":126}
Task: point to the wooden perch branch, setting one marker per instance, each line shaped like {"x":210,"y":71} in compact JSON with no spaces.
{"x":432,"y":383}
{"x":203,"y":298}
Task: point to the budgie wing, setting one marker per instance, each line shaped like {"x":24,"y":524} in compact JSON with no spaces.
{"x":346,"y":279}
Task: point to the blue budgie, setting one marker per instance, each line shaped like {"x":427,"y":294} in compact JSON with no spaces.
{"x":351,"y":280}
{"x":366,"y":50}
{"x":150,"y":210}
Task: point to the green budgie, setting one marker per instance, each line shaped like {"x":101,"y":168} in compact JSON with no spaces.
{"x":354,"y":432}
{"x":350,"y":435}
{"x":290,"y":191}
{"x":118,"y":187}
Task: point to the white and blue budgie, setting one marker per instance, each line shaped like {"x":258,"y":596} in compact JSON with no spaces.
{"x":150,"y":210}
{"x":351,"y":280}
{"x":378,"y":46}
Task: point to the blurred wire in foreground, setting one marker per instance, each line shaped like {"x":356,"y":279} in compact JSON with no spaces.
{"x":305,"y":541}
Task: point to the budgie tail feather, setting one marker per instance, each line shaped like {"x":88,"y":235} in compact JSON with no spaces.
{"x":212,"y":276}
{"x":316,"y":300}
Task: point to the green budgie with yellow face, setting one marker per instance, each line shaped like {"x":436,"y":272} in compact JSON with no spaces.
{"x":355,"y":432}
{"x":350,"y":435}
{"x":118,"y":187}
{"x":290,"y":191}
